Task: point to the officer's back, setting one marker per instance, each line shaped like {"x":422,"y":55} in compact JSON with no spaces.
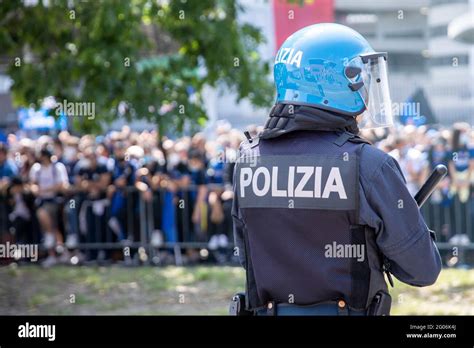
{"x":320,"y":214}
{"x":287,"y":244}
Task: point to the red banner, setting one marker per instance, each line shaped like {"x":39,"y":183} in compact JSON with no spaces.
{"x":290,"y":17}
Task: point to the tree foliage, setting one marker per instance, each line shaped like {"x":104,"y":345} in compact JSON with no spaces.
{"x":143,"y":59}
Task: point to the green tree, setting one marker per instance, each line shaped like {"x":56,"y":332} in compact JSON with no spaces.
{"x":143,"y":59}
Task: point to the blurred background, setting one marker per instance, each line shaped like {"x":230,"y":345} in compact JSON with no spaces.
{"x":120,"y":124}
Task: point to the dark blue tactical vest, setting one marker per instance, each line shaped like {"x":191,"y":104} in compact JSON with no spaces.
{"x":298,"y":195}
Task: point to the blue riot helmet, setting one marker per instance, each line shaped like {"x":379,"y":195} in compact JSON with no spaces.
{"x":332,"y":67}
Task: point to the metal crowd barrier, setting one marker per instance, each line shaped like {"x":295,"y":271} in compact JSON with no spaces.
{"x":449,"y":220}
{"x":140,"y":218}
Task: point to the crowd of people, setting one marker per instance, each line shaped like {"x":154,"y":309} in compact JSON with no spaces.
{"x":65,"y":191}
{"x":87,"y":197}
{"x":418,"y":150}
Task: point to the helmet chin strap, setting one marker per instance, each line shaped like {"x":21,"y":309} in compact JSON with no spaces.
{"x":286,"y":118}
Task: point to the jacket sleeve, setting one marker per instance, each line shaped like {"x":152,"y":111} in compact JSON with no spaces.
{"x":401,"y":232}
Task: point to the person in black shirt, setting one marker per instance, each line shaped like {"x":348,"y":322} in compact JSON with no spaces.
{"x":92,"y":179}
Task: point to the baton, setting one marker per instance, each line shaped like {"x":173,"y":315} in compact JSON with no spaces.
{"x":430,"y":184}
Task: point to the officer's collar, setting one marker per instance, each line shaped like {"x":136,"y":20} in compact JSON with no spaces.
{"x":286,"y":118}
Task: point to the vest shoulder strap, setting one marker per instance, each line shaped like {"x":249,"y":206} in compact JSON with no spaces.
{"x":347,"y":136}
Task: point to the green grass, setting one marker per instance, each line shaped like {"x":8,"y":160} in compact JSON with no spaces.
{"x":453,"y":294}
{"x":183,"y":291}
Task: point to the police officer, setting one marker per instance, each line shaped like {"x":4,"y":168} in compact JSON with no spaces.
{"x":319,"y":214}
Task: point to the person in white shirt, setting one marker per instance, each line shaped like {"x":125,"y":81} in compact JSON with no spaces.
{"x":413,"y":163}
{"x":49,"y":181}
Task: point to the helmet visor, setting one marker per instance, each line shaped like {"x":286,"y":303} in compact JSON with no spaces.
{"x":374,"y":92}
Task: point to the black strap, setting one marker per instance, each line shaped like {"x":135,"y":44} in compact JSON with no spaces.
{"x":360,"y":271}
{"x":252,"y":299}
